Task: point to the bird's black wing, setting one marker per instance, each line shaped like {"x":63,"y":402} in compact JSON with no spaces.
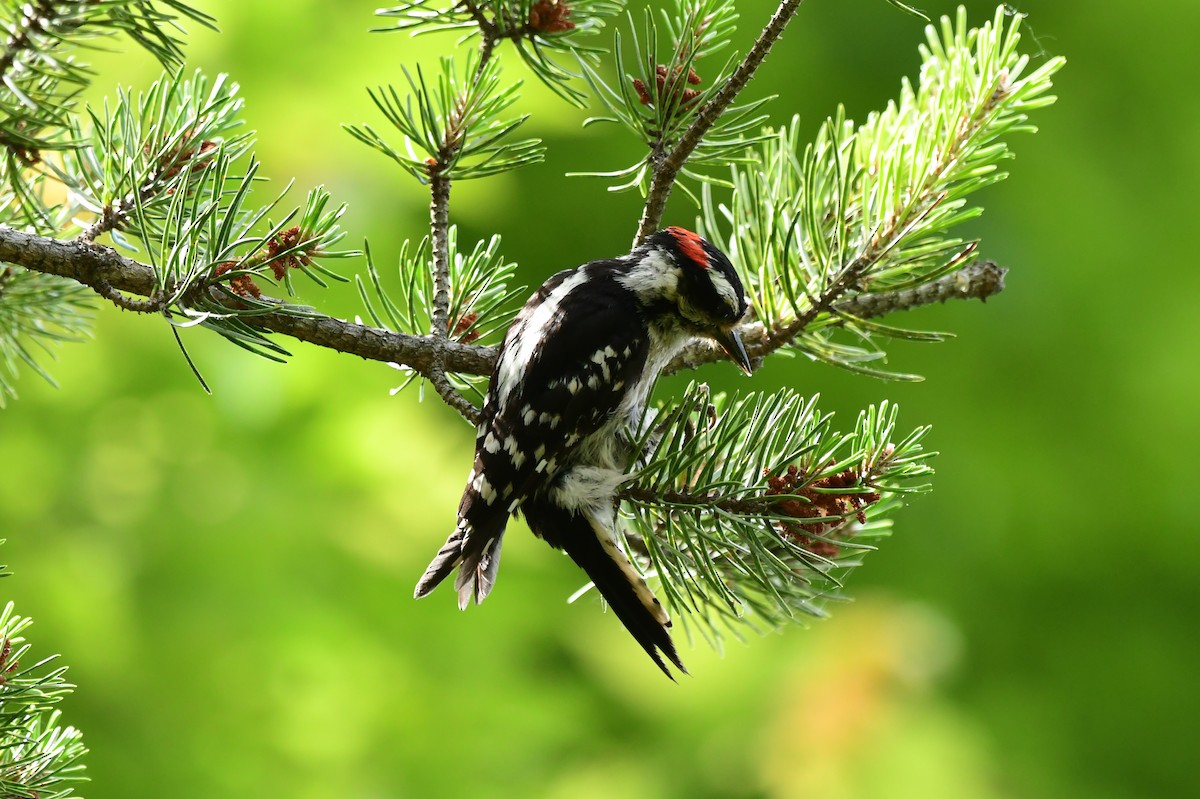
{"x":591,"y":351}
{"x":565,"y":365}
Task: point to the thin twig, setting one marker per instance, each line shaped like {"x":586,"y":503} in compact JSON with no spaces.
{"x":487,"y":44}
{"x":667,"y":168}
{"x":154,"y":304}
{"x":488,"y":28}
{"x":110,"y":218}
{"x":441,"y":384}
{"x":978,"y":280}
{"x":439,"y":225}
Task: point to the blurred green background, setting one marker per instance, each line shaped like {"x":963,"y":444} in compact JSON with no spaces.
{"x":229,"y":577}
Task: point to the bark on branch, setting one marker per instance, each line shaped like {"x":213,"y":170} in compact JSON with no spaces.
{"x":105,"y":270}
{"x":97,"y":266}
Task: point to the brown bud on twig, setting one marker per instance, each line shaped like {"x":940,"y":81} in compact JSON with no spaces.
{"x":464,"y":329}
{"x":687,"y":97}
{"x":821,"y":500}
{"x":7,"y":668}
{"x":550,"y":16}
{"x":281,"y":243}
{"x":171,"y":162}
{"x":243,"y":285}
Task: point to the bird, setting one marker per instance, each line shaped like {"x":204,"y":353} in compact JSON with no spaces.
{"x":567,"y":396}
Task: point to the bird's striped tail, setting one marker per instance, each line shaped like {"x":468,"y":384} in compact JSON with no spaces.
{"x":475,"y":550}
{"x":594,"y":549}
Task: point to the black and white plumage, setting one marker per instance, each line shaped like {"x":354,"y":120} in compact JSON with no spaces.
{"x":569,"y":388}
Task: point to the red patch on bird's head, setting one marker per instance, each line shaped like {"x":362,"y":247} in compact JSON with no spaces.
{"x":691,"y":245}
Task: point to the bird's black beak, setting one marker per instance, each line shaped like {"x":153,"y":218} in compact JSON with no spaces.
{"x":729,"y":339}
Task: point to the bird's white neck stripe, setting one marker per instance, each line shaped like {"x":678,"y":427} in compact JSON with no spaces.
{"x":653,"y":277}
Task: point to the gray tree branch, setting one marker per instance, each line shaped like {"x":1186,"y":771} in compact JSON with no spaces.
{"x":106,"y":271}
{"x":97,"y":266}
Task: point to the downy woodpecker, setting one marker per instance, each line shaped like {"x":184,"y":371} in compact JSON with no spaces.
{"x":566,"y":398}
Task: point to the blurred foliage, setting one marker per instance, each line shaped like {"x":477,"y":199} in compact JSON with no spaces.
{"x":229,"y":576}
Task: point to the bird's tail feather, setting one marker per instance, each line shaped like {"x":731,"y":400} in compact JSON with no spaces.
{"x":476,"y":553}
{"x":596,"y":552}
{"x":477,"y":572}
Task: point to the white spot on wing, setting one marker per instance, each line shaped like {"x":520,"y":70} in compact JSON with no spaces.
{"x":484,"y":488}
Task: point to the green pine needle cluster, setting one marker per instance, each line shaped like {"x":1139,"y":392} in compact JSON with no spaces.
{"x":454,"y":125}
{"x":36,"y":312}
{"x":167,"y":174}
{"x":39,"y":757}
{"x":874,"y":207}
{"x":751,"y":509}
{"x":550,"y":36}
{"x":664,"y":76}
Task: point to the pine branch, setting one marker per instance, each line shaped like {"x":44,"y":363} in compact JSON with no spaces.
{"x":94,"y":265}
{"x":667,"y":166}
{"x":870,"y":209}
{"x":105,"y":270}
{"x":753,"y":509}
{"x":38,"y":756}
{"x":440,"y":168}
{"x":144,"y":153}
{"x":538,"y":30}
